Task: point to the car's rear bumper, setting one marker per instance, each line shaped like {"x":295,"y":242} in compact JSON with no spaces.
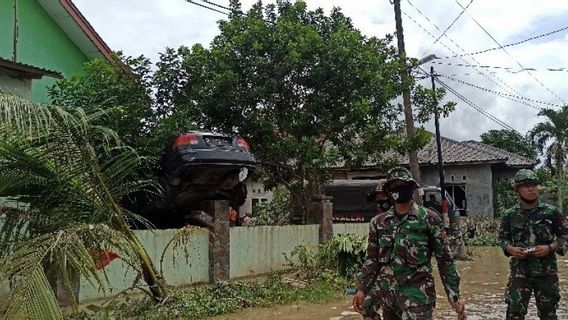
{"x":177,"y":163}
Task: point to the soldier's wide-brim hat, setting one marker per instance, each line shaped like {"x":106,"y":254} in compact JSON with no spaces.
{"x":399,"y":174}
{"x":525,"y":176}
{"x":372,"y":194}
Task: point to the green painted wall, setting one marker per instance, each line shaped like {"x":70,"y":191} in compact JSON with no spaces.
{"x":41,"y":43}
{"x":6,"y":28}
{"x":178,"y":268}
{"x":258,"y":250}
{"x":356,"y":228}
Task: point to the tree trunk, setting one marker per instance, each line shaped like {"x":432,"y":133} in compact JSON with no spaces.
{"x":149,"y":271}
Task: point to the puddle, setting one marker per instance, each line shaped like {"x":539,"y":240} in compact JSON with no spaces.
{"x":482,"y":286}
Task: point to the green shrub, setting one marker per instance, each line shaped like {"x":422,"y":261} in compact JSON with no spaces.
{"x":480,"y":232}
{"x":222,"y":298}
{"x":344,"y":254}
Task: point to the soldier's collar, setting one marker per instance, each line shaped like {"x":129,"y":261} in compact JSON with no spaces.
{"x":412,"y":212}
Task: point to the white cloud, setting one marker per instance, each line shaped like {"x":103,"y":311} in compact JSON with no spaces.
{"x":147,"y":29}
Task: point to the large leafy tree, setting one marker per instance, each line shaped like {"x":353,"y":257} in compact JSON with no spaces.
{"x":123,"y":89}
{"x":511,"y":141}
{"x":65,"y":176}
{"x":551,"y":138}
{"x":307,"y":89}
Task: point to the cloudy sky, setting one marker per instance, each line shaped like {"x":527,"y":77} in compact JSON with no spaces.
{"x":147,"y":27}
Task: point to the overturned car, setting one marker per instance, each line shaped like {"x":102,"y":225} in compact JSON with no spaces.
{"x":198,"y":166}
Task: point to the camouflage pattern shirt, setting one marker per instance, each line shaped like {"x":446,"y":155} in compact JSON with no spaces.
{"x":527,"y":228}
{"x":399,"y":259}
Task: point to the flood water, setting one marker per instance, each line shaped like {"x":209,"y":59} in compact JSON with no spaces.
{"x":483,"y":283}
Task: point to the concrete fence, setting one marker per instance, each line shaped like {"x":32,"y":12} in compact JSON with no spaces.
{"x":223,"y":254}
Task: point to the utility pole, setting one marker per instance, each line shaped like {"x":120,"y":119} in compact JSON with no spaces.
{"x":440,"y":160}
{"x":408,"y":117}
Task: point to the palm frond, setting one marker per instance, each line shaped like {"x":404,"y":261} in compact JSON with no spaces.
{"x":65,"y":253}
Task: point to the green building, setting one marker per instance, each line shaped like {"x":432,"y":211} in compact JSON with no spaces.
{"x":42,"y":40}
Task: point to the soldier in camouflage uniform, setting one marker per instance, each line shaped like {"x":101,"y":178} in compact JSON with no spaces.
{"x":532,"y":233}
{"x":365,"y":300}
{"x":401,"y":244}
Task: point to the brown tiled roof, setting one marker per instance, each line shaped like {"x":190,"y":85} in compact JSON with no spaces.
{"x":21,"y":70}
{"x":468,"y":152}
{"x":460,"y":153}
{"x":455,"y":152}
{"x":513,"y":159}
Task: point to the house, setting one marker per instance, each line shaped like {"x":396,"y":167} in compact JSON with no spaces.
{"x":42,"y":40}
{"x":17,"y":78}
{"x":472,"y":171}
{"x":256,"y":195}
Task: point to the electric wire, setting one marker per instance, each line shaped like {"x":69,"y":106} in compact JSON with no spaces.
{"x":509,"y":44}
{"x":216,"y":5}
{"x":508,"y":69}
{"x":510,"y":56}
{"x":453,"y":22}
{"x":498,"y":82}
{"x":501,"y":94}
{"x":476,"y":107}
{"x":207,"y":7}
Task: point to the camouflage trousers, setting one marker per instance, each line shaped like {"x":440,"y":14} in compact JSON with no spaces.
{"x":409,"y":313}
{"x":520,"y":289}
{"x":371,"y":305}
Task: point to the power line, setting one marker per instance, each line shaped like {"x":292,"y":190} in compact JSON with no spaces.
{"x":475,"y":107}
{"x":453,"y":22}
{"x":507,"y":52}
{"x":509,"y":44}
{"x":207,"y":7}
{"x":508,"y":69}
{"x":503,"y":94}
{"x":498,"y":82}
{"x":216,"y":5}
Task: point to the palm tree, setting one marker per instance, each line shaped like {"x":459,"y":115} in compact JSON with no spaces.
{"x":66,"y":177}
{"x":551,"y":138}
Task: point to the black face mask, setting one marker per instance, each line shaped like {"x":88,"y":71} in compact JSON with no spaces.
{"x":384,"y":205}
{"x":402,"y":194}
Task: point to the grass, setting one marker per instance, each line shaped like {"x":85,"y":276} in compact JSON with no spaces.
{"x":221,"y":298}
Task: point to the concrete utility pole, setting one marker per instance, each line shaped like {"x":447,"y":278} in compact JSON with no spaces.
{"x":408,"y":118}
{"x":440,"y":159}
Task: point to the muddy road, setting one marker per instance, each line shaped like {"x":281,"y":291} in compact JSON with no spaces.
{"x":483,"y":286}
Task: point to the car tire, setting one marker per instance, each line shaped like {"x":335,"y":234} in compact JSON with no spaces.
{"x":238,"y":195}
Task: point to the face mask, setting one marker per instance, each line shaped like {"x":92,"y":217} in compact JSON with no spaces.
{"x":402,"y":194}
{"x":384,"y":205}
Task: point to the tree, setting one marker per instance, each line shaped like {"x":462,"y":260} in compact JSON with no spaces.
{"x":308,"y":90}
{"x":123,"y":89}
{"x":66,"y":174}
{"x":510,"y":141}
{"x":551,"y":138}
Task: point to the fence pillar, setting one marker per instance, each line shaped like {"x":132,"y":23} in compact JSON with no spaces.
{"x":219,"y":240}
{"x":321,"y":212}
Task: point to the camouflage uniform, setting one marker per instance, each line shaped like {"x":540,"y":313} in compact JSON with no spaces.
{"x":398,"y":259}
{"x":371,"y":302}
{"x":542,"y":225}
